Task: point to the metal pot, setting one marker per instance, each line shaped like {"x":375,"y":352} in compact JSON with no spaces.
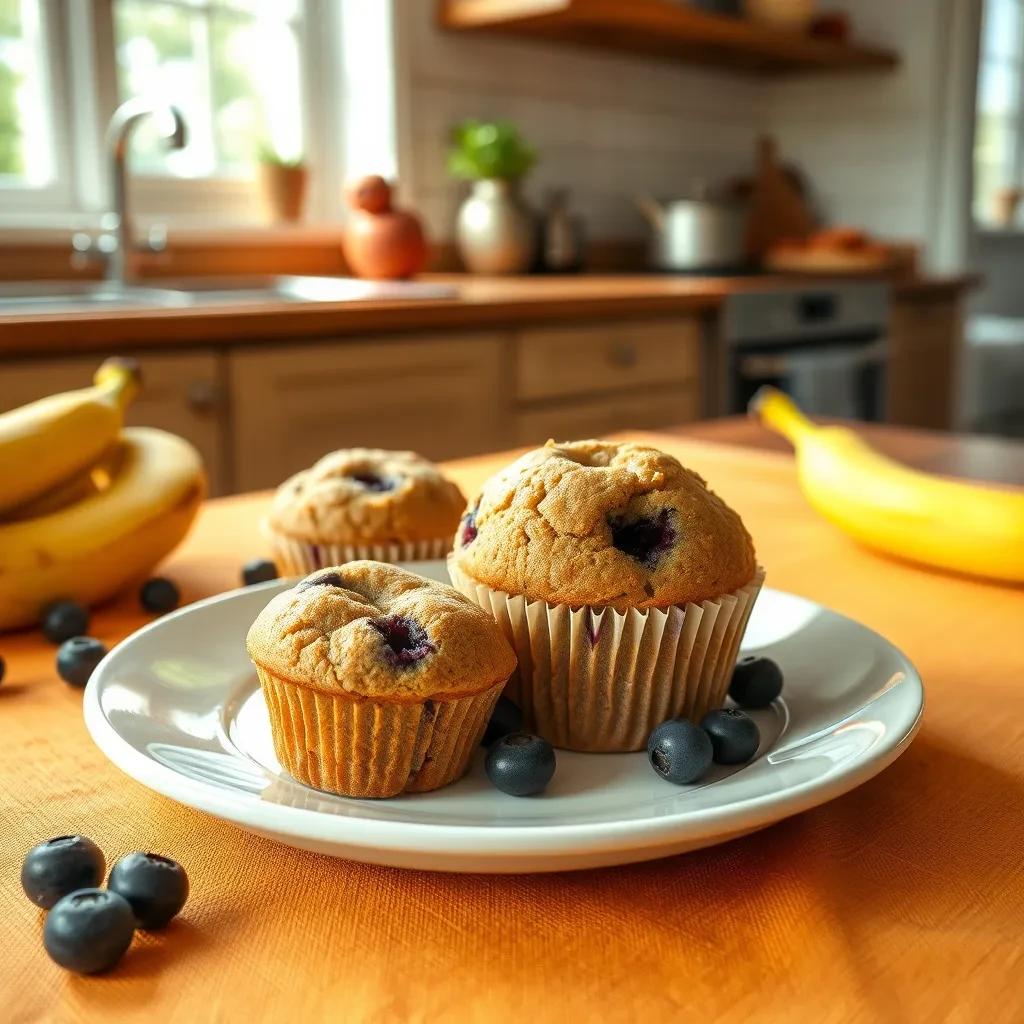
{"x":695,"y":234}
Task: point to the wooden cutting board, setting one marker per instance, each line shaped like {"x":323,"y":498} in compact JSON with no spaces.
{"x":778,"y":212}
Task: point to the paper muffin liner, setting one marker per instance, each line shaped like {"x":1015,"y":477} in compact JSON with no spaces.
{"x":299,"y":558}
{"x":597,"y":679}
{"x":357,"y":746}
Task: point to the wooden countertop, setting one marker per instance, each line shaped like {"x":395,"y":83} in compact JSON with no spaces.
{"x":482,"y":302}
{"x":900,"y":901}
{"x":970,"y":456}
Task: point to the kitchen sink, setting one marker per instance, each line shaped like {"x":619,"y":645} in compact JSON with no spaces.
{"x":188,"y":293}
{"x":67,"y":296}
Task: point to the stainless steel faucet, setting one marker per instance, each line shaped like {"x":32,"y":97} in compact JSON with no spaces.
{"x":118,"y":245}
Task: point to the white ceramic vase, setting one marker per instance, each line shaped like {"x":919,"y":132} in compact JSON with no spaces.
{"x":495,"y":230}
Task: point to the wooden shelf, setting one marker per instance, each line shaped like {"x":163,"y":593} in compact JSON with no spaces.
{"x":666,"y":30}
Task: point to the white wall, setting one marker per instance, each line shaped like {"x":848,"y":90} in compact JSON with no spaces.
{"x":606,"y":126}
{"x":890,"y":152}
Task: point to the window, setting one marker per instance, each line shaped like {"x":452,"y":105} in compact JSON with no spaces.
{"x":250,"y":76}
{"x":999,"y":122}
{"x":211,"y":59}
{"x":26,"y":145}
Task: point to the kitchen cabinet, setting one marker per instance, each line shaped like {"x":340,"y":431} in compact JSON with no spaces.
{"x":183,"y":394}
{"x":443,"y":396}
{"x":925,"y":339}
{"x":590,"y":379}
{"x":593,"y":417}
{"x":563,"y":361}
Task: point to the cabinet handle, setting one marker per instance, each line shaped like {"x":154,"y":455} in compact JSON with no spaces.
{"x":622,"y":354}
{"x":202,"y":396}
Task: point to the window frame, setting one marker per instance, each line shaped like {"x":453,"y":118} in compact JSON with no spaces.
{"x":83,"y":80}
{"x":59,"y":194}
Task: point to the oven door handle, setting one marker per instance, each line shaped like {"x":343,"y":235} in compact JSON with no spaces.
{"x":781,"y":364}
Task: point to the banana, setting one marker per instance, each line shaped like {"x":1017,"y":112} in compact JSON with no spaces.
{"x":948,"y":524}
{"x":84,"y":484}
{"x":91,"y":549}
{"x":45,"y":442}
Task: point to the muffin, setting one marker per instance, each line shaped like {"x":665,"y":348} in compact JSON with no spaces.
{"x":377,"y":681}
{"x":362,"y":503}
{"x":624,"y":584}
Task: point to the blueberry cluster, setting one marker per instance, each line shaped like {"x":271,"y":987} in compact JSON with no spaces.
{"x":682,"y":752}
{"x":66,"y":623}
{"x":88,"y":929}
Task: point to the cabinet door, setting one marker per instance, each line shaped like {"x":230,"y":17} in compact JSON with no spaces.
{"x":441,"y":397}
{"x":595,"y":417}
{"x":925,"y":338}
{"x":180,"y":393}
{"x":555,"y":362}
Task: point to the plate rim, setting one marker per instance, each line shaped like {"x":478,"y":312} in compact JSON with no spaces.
{"x":491,"y":840}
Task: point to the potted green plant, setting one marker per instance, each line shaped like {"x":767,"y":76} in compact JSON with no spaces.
{"x":495,"y":231}
{"x":284,"y":183}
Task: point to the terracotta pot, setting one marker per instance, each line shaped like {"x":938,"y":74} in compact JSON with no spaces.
{"x":284,"y":188}
{"x":1005,"y":204}
{"x":380,"y":241}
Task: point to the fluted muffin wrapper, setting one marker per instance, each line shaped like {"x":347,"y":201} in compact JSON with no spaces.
{"x":299,"y":558}
{"x":360,"y":747}
{"x":597,"y":679}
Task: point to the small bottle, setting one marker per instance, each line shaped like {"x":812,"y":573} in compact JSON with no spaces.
{"x":562,"y":241}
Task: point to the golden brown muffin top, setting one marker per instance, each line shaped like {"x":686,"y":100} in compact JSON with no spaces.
{"x":375,"y":630}
{"x":600,"y":523}
{"x":367,"y":495}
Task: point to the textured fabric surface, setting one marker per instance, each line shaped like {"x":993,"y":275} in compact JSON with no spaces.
{"x":903,"y":901}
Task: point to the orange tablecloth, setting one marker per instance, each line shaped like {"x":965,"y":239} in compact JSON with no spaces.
{"x":902,"y":901}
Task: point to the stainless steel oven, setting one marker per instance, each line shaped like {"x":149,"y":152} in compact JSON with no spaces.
{"x":824,"y":345}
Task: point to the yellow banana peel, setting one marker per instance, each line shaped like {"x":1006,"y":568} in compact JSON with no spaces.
{"x":949,"y":524}
{"x":89,"y":549}
{"x":45,"y":443}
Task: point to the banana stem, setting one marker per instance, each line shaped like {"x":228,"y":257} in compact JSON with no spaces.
{"x":120,"y":378}
{"x":779,"y":412}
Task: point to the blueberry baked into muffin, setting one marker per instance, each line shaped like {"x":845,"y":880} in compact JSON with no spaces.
{"x":623,"y":582}
{"x":377,"y":681}
{"x":363,"y":503}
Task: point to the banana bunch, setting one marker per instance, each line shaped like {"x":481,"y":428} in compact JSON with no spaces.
{"x":949,"y":524}
{"x":87,"y":506}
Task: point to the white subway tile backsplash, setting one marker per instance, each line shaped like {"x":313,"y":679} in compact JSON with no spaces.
{"x":605,"y":126}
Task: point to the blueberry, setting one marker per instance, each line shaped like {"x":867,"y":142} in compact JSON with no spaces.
{"x":644,"y":539}
{"x":679,"y":751}
{"x":159,"y":595}
{"x":734,"y":735}
{"x":77,"y":657}
{"x":155,"y":886}
{"x":258,"y":570}
{"x":88,"y":931}
{"x":505,"y":718}
{"x":467,"y":528}
{"x":322,"y":578}
{"x":373,"y":482}
{"x":520,"y":764}
{"x":59,"y":866}
{"x":756,"y":682}
{"x":64,"y":619}
{"x":406,"y":642}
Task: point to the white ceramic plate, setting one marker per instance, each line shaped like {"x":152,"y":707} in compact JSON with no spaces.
{"x":178,"y":707}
